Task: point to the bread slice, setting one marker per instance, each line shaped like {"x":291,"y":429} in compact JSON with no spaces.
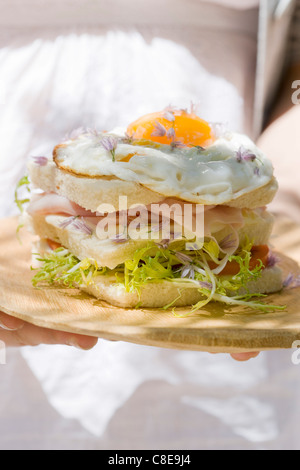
{"x":90,"y":193}
{"x":105,"y":288}
{"x":105,"y":252}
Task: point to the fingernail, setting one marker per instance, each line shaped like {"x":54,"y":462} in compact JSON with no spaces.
{"x":73,"y":342}
{"x":86,"y":344}
{"x":8,"y":328}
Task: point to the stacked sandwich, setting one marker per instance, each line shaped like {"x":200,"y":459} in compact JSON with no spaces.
{"x":99,"y":207}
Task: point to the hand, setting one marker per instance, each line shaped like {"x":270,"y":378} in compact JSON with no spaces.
{"x":16,"y":332}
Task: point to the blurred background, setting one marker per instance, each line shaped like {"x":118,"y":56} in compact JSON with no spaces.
{"x":66,"y":64}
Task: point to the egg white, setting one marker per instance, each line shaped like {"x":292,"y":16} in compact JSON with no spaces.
{"x":214,"y":175}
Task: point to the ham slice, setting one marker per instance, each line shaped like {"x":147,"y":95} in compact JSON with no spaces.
{"x":219,"y":216}
{"x":53,"y":204}
{"x":215,"y":217}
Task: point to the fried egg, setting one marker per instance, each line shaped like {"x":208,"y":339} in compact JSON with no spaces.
{"x":173,"y":153}
{"x":172,"y":125}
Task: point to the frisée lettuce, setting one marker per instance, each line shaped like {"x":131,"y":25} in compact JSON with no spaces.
{"x":186,"y":269}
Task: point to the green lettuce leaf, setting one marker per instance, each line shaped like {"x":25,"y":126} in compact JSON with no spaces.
{"x":24,"y":182}
{"x":154,"y":264}
{"x":60,"y":266}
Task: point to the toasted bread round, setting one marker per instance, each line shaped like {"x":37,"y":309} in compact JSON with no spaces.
{"x":90,"y":193}
{"x":105,"y":288}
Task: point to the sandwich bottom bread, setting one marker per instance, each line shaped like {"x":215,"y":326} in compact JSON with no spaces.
{"x":175,"y":172}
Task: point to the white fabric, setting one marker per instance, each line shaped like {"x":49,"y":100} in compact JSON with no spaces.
{"x":120,"y":395}
{"x":51,"y":87}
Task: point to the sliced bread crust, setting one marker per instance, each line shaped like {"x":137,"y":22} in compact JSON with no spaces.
{"x":90,"y":193}
{"x":105,"y":288}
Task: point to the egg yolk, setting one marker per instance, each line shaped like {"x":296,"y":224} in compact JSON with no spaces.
{"x":174,"y":127}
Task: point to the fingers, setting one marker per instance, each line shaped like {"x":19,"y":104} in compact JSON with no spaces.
{"x":241,"y":357}
{"x":32,"y":335}
{"x":15,"y":333}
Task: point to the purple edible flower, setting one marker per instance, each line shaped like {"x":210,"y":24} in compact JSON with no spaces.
{"x":199,"y":148}
{"x":159,"y":130}
{"x":205,"y":285}
{"x":65,"y":223}
{"x":75,"y":133}
{"x":291,"y":281}
{"x":163,"y":244}
{"x":188,"y":271}
{"x":228,"y":242}
{"x":193,"y":246}
{"x":110,"y":143}
{"x":185,"y":259}
{"x":176,"y":144}
{"x":120,"y":238}
{"x":128,"y":139}
{"x":171,"y":133}
{"x":288,"y":280}
{"x":245,"y":155}
{"x":78,"y":224}
{"x":169,"y":116}
{"x":92,"y":132}
{"x":296,"y":282}
{"x":41,"y":161}
{"x":272,"y":260}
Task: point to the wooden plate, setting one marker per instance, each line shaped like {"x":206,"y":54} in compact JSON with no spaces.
{"x":215,"y":328}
